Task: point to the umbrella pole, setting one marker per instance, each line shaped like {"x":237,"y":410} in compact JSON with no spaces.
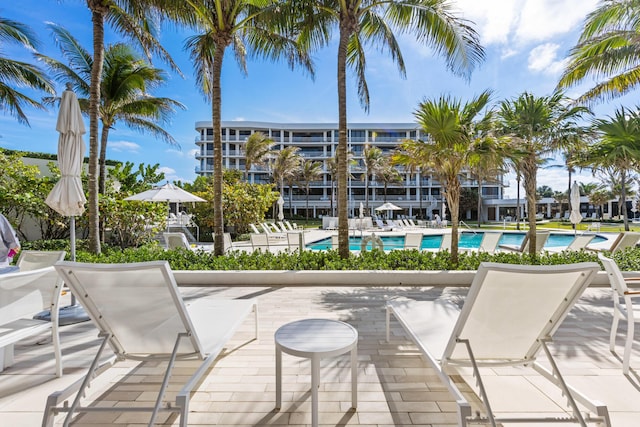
{"x":72,"y":238}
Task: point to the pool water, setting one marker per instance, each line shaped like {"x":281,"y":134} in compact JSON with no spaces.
{"x":467,"y":241}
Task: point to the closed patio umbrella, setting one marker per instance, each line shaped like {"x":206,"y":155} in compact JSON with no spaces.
{"x":67,"y":196}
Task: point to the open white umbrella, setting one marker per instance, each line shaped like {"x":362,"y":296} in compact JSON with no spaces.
{"x":574,"y":199}
{"x":67,"y":196}
{"x":168,"y":193}
{"x":388,"y":207}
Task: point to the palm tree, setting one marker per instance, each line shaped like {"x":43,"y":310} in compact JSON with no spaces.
{"x":388,"y":174}
{"x":489,"y":154}
{"x":126,"y":81}
{"x":618,"y":148}
{"x":606,"y":52}
{"x":362,"y":22}
{"x":246,"y":26}
{"x":285,"y":168}
{"x":138,"y":20}
{"x":309,"y":171}
{"x":450,"y":126}
{"x":536,"y":126}
{"x":16,"y":73}
{"x":256,"y":148}
{"x":598,"y":198}
{"x":372,"y":159}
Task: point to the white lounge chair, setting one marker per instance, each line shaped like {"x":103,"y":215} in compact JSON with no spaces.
{"x":623,"y":241}
{"x":259,"y":242}
{"x":623,"y":308}
{"x":141,"y":315}
{"x":254,"y":228}
{"x":382,"y":226}
{"x":176,"y":241}
{"x":33,"y":260}
{"x":580,"y":242}
{"x":413,"y":241}
{"x":541,"y":239}
{"x":24,"y":294}
{"x":509,"y":315}
{"x":295,"y":240}
{"x":291,"y":226}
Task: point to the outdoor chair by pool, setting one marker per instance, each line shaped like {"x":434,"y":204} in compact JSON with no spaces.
{"x":24,"y":294}
{"x":623,"y":307}
{"x":579,"y":242}
{"x":33,"y":260}
{"x":176,"y":241}
{"x":510,"y":313}
{"x":254,"y":228}
{"x":541,"y":239}
{"x":489,"y":242}
{"x":383,"y":227}
{"x":413,"y":241}
{"x":140,"y":314}
{"x":259,"y":242}
{"x":623,"y":241}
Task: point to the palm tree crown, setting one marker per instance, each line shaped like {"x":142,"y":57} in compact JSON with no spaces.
{"x":17,"y":73}
{"x":607,"y":51}
{"x":258,"y":27}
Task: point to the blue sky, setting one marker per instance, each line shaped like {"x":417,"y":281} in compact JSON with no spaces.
{"x":526,"y":42}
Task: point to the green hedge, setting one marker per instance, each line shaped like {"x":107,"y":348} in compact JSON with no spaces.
{"x":182,"y":259}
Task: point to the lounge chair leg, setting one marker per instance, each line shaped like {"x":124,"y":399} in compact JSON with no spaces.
{"x":476,"y":373}
{"x":86,"y":380}
{"x":165,"y":380}
{"x":563,"y":385}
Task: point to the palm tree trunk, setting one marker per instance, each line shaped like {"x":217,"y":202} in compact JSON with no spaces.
{"x":623,"y":199}
{"x":419,"y":193}
{"x":216,"y":106}
{"x":102,"y":183}
{"x":103,"y":159}
{"x":98,"y":11}
{"x":343,"y":230}
{"x":479,"y":201}
{"x":529,"y":171}
{"x":453,"y":199}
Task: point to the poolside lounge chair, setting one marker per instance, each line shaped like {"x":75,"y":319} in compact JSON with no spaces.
{"x":445,"y":243}
{"x":541,"y":239}
{"x":24,"y":294}
{"x":295,"y":240}
{"x":334,"y":241}
{"x":141,"y":315}
{"x":579,"y":243}
{"x":33,"y":260}
{"x":291,"y":226}
{"x":489,"y":242}
{"x":259,"y":242}
{"x":509,"y":315}
{"x":254,"y":228}
{"x":623,"y":307}
{"x":413,"y":241}
{"x":176,"y":241}
{"x":383,"y":227}
{"x":623,"y":241}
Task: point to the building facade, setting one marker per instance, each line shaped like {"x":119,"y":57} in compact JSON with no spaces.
{"x":419,"y":194}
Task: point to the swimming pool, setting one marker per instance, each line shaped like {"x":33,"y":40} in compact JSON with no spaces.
{"x":467,"y":241}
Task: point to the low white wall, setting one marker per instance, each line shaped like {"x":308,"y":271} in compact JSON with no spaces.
{"x":335,"y":278}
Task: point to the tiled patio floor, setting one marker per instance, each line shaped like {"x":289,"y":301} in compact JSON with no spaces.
{"x":395,"y":386}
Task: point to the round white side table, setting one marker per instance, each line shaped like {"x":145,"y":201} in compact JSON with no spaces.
{"x":314,"y":339}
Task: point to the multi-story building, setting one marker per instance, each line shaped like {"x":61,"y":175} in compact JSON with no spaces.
{"x":419,"y":194}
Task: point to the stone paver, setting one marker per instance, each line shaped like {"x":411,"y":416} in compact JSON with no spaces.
{"x":396,"y":387}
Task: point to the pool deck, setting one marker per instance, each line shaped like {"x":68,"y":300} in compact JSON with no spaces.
{"x":396,"y":386}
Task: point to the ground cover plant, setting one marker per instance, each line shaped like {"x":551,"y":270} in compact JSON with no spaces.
{"x":183,"y":259}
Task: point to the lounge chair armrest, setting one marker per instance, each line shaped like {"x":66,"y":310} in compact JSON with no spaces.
{"x":632,"y":293}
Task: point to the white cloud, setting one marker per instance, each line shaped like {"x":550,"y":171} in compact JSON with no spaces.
{"x":174,"y":152}
{"x":544,"y":59}
{"x":519,"y":22}
{"x":124,"y":146}
{"x":167,"y":170}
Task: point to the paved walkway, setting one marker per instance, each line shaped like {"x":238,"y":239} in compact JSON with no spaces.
{"x":396,"y":388}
